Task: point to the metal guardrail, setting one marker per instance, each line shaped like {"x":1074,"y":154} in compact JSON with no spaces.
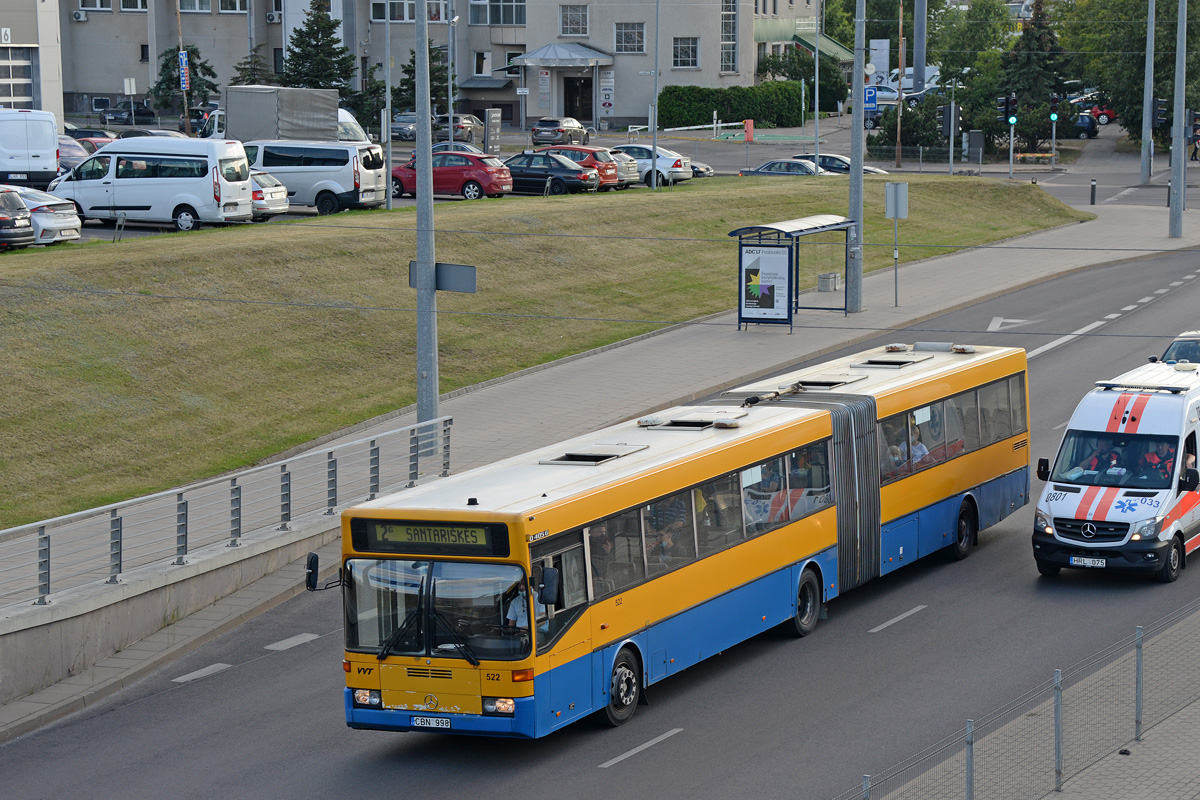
{"x":1029,"y":748}
{"x":98,"y":544}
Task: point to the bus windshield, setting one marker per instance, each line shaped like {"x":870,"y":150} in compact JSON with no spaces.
{"x":1099,"y":458}
{"x":448,"y":609}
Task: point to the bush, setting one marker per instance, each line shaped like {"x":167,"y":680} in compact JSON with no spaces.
{"x":774,"y":104}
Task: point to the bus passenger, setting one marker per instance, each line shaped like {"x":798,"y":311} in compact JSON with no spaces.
{"x":602,"y":547}
{"x":919,"y":450}
{"x":667,"y":519}
{"x":1158,"y":463}
{"x":1102,"y":458}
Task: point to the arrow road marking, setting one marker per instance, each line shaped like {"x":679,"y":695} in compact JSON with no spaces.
{"x":1002,"y":324}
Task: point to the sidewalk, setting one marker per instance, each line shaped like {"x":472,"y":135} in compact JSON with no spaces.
{"x":678,"y":364}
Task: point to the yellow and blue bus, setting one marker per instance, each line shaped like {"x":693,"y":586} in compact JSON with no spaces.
{"x":516,"y":598}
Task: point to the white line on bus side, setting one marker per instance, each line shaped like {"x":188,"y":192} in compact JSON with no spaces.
{"x":640,"y":748}
{"x":298,"y":639}
{"x":212,"y":669}
{"x":894,"y":620}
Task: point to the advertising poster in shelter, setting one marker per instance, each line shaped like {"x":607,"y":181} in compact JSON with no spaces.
{"x":765,"y":283}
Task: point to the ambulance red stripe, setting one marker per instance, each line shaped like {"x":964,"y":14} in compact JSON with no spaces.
{"x":1118,"y":411}
{"x":1135,"y":414}
{"x":1085,"y":504}
{"x":1106,"y":501}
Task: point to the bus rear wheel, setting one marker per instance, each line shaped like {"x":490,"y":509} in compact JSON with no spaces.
{"x":808,"y":605}
{"x":964,"y":536}
{"x":624,"y":690}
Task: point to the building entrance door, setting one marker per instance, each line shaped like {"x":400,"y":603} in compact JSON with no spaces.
{"x":577,"y":99}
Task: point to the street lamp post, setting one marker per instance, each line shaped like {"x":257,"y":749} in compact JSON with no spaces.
{"x":452,"y":23}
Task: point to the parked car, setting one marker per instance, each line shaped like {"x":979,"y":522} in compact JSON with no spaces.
{"x":791,"y":167}
{"x":457,"y":147}
{"x":28,"y":147}
{"x":559,"y":130}
{"x":831,"y":162}
{"x":53,"y":219}
{"x":197,"y":115}
{"x":701,"y":170}
{"x":329,"y":175}
{"x":133,"y":133}
{"x":872,"y":116}
{"x":627,"y":169}
{"x":467,"y":128}
{"x":1086,"y":127}
{"x":404,"y":126}
{"x":269,"y":197}
{"x":94,"y":143}
{"x":1097,"y":106}
{"x":122,"y":114}
{"x":70,"y":153}
{"x":472,"y":175}
{"x":90,"y":133}
{"x":542,"y":172}
{"x":16,"y":225}
{"x":596,"y":158}
{"x":671,"y":166}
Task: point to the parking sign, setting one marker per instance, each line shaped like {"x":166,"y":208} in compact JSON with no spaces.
{"x":870,"y":103}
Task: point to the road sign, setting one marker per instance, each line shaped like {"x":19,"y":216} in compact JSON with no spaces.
{"x":523,"y":90}
{"x":870,"y":102}
{"x":183,"y":59}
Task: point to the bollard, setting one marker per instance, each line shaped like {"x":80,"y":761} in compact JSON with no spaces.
{"x":181,"y":529}
{"x":235,"y":513}
{"x":1168,"y":194}
{"x":43,"y":566}
{"x":285,"y":497}
{"x":970,"y":776}
{"x":114,"y":546}
{"x":866,"y":787}
{"x":373,"y":476}
{"x":1058,"y":772}
{"x":331,"y":486}
{"x":1093,"y":191}
{"x":1137,"y":711}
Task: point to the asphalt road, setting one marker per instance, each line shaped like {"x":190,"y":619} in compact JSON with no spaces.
{"x":773,"y":717}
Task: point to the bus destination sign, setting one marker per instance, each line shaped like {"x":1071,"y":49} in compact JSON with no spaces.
{"x":448,"y":536}
{"x":429,"y":537}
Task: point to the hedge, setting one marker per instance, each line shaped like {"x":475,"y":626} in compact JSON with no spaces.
{"x":776,"y":103}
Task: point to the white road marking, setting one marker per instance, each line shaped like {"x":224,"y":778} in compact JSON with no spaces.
{"x":1161,"y":291}
{"x":1130,"y":308}
{"x":298,"y":639}
{"x":1064,"y":339}
{"x":1113,"y":316}
{"x":1188,"y":277}
{"x":1060,"y":427}
{"x":1002,"y":324}
{"x":906,"y":614}
{"x":1119,"y":195}
{"x":1145,"y":300}
{"x":1176,"y":283}
{"x":640,"y":748}
{"x":201,"y":673}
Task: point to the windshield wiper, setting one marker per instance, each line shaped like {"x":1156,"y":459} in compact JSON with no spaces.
{"x":410,"y":621}
{"x":463,"y":647}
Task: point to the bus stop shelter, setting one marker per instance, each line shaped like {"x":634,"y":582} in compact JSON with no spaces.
{"x":769,"y":267}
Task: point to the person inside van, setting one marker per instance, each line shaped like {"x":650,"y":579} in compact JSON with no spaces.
{"x":1159,"y":462}
{"x":1102,"y":458}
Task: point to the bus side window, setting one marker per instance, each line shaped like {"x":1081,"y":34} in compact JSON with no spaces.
{"x":1016,"y":396}
{"x":994,"y":412}
{"x":893,"y":448}
{"x":962,"y":420}
{"x":624,"y":565}
{"x":670,"y":532}
{"x":764,"y":496}
{"x":929,"y":429}
{"x":718,"y":514}
{"x":808,"y":480}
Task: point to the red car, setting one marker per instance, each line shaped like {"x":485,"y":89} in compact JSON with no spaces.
{"x":597,"y":158}
{"x":472,"y":175}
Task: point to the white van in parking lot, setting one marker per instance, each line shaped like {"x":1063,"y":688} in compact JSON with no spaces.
{"x":162,"y":179}
{"x":329,"y":175}
{"x":28,"y":147}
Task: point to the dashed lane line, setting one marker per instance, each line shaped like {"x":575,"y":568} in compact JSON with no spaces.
{"x":212,"y":669}
{"x":894,"y":620}
{"x":640,"y":748}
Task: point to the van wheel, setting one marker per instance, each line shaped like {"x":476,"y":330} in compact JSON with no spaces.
{"x":964,"y":535}
{"x":624,"y":689}
{"x":185,"y":219}
{"x":808,"y":605}
{"x":472,"y":191}
{"x":327,"y":204}
{"x":1049,"y":570}
{"x":1173,"y":563}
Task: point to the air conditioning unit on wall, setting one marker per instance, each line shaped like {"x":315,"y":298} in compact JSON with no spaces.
{"x":79,"y":16}
{"x":274,"y":17}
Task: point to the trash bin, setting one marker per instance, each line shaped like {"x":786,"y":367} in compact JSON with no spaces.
{"x":603,"y":124}
{"x":827,"y":282}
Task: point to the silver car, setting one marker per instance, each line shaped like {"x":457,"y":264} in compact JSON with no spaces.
{"x":270,"y":197}
{"x":53,"y":219}
{"x":671,"y":166}
{"x":627,"y":169}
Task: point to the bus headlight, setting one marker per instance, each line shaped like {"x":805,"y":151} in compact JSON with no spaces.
{"x":1041,"y":522}
{"x":499,"y":705}
{"x":1146,"y":529}
{"x":369,"y":698}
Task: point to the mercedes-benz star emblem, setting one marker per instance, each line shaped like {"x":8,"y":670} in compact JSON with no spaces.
{"x":431,"y":701}
{"x":1089,"y":530}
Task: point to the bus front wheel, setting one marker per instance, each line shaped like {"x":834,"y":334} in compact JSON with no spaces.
{"x":808,"y":605}
{"x":624,"y":689}
{"x":964,"y":535}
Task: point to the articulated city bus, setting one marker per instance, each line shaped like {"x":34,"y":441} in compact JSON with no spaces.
{"x":516,"y":598}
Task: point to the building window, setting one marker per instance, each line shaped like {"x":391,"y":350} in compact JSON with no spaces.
{"x":133,"y":5}
{"x":96,"y":5}
{"x":685,"y":52}
{"x":406,"y":11}
{"x":145,"y":59}
{"x":232,"y":6}
{"x":497,"y":12}
{"x":574,"y":20}
{"x":631,"y":37}
{"x":193,"y":5}
{"x":729,"y":40}
{"x":509,"y":55}
{"x":277,"y":6}
{"x":483,"y":64}
{"x":278,"y":60}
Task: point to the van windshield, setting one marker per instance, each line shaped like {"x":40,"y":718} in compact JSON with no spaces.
{"x":1099,"y":458}
{"x":235,"y":170}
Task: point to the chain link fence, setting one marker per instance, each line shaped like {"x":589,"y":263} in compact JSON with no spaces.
{"x":1033,"y":745}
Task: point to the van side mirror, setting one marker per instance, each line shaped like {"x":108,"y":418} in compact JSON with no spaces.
{"x":310,"y":572}
{"x":1190,"y":480}
{"x":548,"y":588}
{"x":1153,"y":359}
{"x":1043,"y":469}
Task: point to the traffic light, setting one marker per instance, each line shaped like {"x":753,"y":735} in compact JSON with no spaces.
{"x":1193,"y":120}
{"x":1012,"y":109}
{"x":942,"y":114}
{"x":1002,"y":109}
{"x":948,"y":119}
{"x":1160,"y":111}
{"x":1054,"y":108}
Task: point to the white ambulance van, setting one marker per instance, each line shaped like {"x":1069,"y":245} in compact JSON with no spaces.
{"x":1122,"y":494}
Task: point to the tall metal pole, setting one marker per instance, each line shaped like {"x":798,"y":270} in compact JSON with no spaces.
{"x":854,"y":258}
{"x":654,"y":106}
{"x":920,"y":12}
{"x":1178,"y":145}
{"x":1148,"y":100}
{"x":187,"y":114}
{"x":900,"y":85}
{"x":386,"y":133}
{"x":250,"y":35}
{"x":426,"y":276}
{"x":451,"y":26}
{"x":817,"y":91}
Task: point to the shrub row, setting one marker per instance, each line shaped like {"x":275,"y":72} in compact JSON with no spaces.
{"x":774,"y":104}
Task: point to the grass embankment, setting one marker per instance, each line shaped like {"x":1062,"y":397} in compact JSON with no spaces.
{"x":140,"y":367}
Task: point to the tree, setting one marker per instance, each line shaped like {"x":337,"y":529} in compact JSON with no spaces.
{"x":918,"y":129}
{"x":166,"y":91}
{"x":316,"y":58}
{"x":252,"y":70}
{"x":964,"y":36}
{"x":796,"y":64}
{"x":367,"y":104}
{"x":404,"y":96}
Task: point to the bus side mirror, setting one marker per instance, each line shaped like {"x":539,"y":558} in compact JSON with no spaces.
{"x":1190,"y":480}
{"x":310,"y":572}
{"x":1043,"y":469}
{"x":548,"y":589}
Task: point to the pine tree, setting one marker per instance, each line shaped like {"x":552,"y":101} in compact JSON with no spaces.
{"x":166,"y":91}
{"x":316,"y":58}
{"x":404,"y":96}
{"x":252,"y":70}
